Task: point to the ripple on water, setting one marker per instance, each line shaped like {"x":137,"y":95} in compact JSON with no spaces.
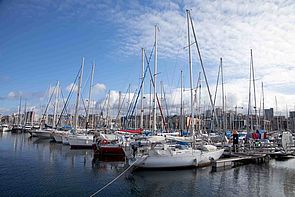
{"x":30,"y":167}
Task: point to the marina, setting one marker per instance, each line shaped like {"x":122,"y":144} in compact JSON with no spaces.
{"x":31,"y":167}
{"x":147,"y":99}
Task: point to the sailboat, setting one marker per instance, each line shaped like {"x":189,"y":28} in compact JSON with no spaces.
{"x":80,"y":140}
{"x":163,"y":155}
{"x":47,"y":132}
{"x":17,"y":127}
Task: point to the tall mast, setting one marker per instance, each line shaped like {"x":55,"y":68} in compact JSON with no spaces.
{"x":223,"y":101}
{"x":191,"y":80}
{"x":278,"y":126}
{"x":263,"y":113}
{"x":89,"y":96}
{"x":55,"y":105}
{"x":150,"y":107}
{"x":255,"y":107}
{"x":161,"y":103}
{"x":119,"y":109}
{"x":108,"y":109}
{"x":181,"y":102}
{"x":249,"y":103}
{"x":201,"y":62}
{"x":199,"y":102}
{"x":142,"y":89}
{"x":155,"y":80}
{"x":78,"y":96}
{"x":25,"y":113}
{"x":19,"y":110}
{"x":46,"y":114}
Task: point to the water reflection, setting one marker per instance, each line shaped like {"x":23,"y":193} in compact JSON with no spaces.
{"x":43,"y":165}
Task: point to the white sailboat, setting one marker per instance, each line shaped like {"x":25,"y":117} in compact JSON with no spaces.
{"x":43,"y":133}
{"x":80,"y":140}
{"x":163,"y":155}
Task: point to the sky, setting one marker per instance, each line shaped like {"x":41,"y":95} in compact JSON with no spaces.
{"x":42,"y":42}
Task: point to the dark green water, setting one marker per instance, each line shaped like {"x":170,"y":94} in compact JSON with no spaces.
{"x":30,"y":167}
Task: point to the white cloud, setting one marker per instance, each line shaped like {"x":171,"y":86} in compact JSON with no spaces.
{"x":99,"y":88}
{"x":227,"y":29}
{"x":72,"y":86}
{"x":14,"y":95}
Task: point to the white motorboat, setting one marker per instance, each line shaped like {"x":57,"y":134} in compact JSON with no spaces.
{"x":81,"y":140}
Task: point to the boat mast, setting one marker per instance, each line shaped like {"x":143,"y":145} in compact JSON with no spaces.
{"x":89,"y":96}
{"x":181,"y":102}
{"x":249,"y":104}
{"x":223,"y":102}
{"x":142,"y":89}
{"x":202,"y":65}
{"x":192,"y":125}
{"x":55,"y":105}
{"x":161,"y":103}
{"x":108,"y":109}
{"x":263,"y":113}
{"x":119,"y":109}
{"x":155,"y":81}
{"x":278,"y":126}
{"x":255,"y":107}
{"x":19,"y":110}
{"x":196,"y":102}
{"x":199,"y":102}
{"x":25,"y":113}
{"x":150,"y":107}
{"x":78,"y":96}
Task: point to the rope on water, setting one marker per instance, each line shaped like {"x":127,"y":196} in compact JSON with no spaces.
{"x":113,"y":180}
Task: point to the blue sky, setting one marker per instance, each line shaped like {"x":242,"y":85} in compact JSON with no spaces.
{"x":43,"y":41}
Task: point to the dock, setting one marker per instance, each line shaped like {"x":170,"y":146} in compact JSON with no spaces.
{"x":238,"y":160}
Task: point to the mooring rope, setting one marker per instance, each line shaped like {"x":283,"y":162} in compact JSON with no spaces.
{"x":113,"y":180}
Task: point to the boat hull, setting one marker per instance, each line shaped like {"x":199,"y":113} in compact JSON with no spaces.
{"x":110,"y":150}
{"x":57,"y":138}
{"x":182,"y":159}
{"x":44,"y":134}
{"x":65,"y":140}
{"x":81,"y":142}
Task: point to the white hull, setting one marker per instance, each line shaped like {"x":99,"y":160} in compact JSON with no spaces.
{"x":45,"y":134}
{"x":177,"y":158}
{"x":57,"y":137}
{"x":80,"y":141}
{"x":4,"y":129}
{"x":65,"y":140}
{"x":208,"y":157}
{"x":184,"y":159}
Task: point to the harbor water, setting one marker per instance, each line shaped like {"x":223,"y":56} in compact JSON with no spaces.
{"x":32,"y":167}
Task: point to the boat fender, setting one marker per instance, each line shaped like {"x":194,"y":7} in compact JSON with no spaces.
{"x":104,"y":141}
{"x":196,"y":162}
